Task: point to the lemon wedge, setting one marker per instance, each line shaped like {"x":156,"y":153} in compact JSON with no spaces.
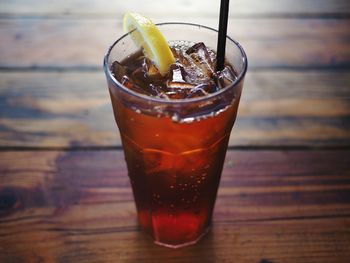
{"x":147,"y":35}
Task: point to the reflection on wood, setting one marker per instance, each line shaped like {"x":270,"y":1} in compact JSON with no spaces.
{"x":78,"y":206}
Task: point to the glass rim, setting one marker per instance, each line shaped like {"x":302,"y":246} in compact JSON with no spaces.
{"x":240,"y":76}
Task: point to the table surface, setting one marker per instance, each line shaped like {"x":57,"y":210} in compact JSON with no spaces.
{"x":285,"y":189}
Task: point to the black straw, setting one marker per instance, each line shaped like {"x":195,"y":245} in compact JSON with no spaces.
{"x":220,"y":53}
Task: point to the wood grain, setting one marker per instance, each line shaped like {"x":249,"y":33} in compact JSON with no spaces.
{"x":183,"y":7}
{"x":296,"y":43}
{"x":304,"y":241}
{"x":281,"y":206}
{"x":76,"y":205}
{"x":71,"y":109}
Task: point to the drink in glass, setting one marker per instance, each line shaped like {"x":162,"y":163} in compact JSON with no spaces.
{"x":175,"y":128}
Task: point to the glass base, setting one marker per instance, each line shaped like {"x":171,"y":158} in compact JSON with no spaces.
{"x":183,"y":244}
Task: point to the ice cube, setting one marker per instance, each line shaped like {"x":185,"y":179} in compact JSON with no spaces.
{"x":141,"y":77}
{"x":157,"y":162}
{"x":118,"y":70}
{"x":203,"y":90}
{"x":127,"y":82}
{"x":120,"y":73}
{"x":177,"y":81}
{"x":138,"y":74}
{"x":181,"y":57}
{"x":149,"y":68}
{"x":195,"y":93}
{"x":202,"y":58}
{"x":153,"y":71}
{"x":210,"y":87}
{"x":178,"y":89}
{"x":155,"y":90}
{"x":225,"y":77}
{"x":175,"y":95}
{"x":173,"y":85}
{"x":177,"y":73}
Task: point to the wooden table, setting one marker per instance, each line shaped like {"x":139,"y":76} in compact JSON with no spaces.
{"x":285,"y":189}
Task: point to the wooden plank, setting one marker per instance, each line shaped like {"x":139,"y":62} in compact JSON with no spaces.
{"x":255,"y":185}
{"x":306,"y":43}
{"x":309,"y":241}
{"x":179,"y":8}
{"x":277,"y":206}
{"x":63,"y":109}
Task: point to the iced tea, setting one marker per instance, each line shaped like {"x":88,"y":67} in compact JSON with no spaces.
{"x":175,"y":131}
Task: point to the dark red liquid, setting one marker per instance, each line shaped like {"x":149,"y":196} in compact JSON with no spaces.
{"x":174,"y":167}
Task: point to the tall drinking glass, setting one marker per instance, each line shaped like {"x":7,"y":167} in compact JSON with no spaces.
{"x":175,"y":149}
